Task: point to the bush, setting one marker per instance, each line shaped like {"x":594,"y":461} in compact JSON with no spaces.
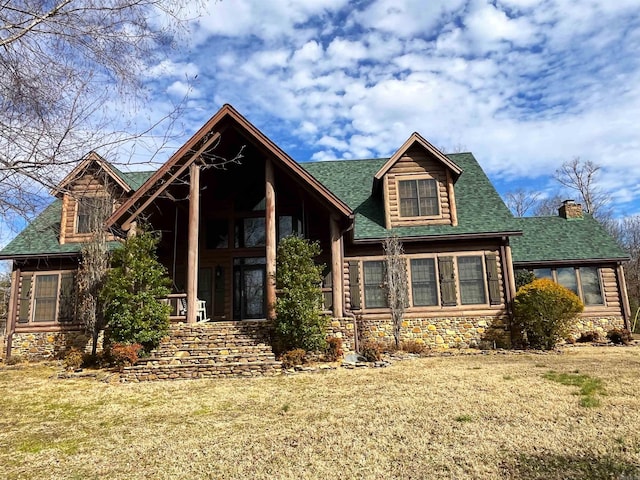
{"x":545,"y":312}
{"x":132,"y":293}
{"x":123,"y":355}
{"x":299,"y":322}
{"x":73,"y":359}
{"x":619,"y":336}
{"x":412,"y":346}
{"x":524,"y":277}
{"x":293,"y":357}
{"x":334,"y":349}
{"x":371,"y":350}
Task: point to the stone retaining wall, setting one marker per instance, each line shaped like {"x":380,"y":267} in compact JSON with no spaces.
{"x":141,"y":373}
{"x":47,"y":345}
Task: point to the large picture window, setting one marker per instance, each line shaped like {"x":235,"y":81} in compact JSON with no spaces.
{"x":583,"y":281}
{"x":375,"y":295}
{"x":418,"y":198}
{"x":424,"y":284}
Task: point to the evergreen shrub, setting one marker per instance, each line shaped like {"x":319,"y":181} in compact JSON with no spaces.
{"x":546,"y":312}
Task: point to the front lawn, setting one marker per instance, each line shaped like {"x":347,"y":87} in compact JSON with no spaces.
{"x":482,"y":416}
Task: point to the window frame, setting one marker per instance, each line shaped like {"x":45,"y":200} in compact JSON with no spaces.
{"x":418,"y":178}
{"x":31,"y":323}
{"x":485,"y":280}
{"x":578,"y":276}
{"x":78,"y":205}
{"x":382,"y":261}
{"x":482,"y":254}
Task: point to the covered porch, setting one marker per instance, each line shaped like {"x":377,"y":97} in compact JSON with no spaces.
{"x":222,"y":203}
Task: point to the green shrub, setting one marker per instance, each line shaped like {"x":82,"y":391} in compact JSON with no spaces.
{"x":294,"y":357}
{"x":524,"y":277}
{"x":299,"y":322}
{"x":123,"y":355}
{"x":619,"y":336}
{"x":132,"y":293}
{"x":371,"y":350}
{"x":73,"y":359}
{"x":545,"y":312}
{"x":334,"y":349}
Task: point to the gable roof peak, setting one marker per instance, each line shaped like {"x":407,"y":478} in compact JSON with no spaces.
{"x":91,"y":158}
{"x":414,"y":138}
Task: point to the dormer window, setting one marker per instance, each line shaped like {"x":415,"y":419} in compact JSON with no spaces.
{"x":87,"y":210}
{"x":418,"y":198}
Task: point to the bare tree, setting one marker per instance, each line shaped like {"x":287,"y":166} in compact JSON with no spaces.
{"x":548,"y":206}
{"x":630,"y":240}
{"x":397,"y":284}
{"x":520,"y":201}
{"x":65,"y":68}
{"x":581,"y":176}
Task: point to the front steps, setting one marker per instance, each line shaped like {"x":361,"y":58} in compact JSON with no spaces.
{"x":209,"y":350}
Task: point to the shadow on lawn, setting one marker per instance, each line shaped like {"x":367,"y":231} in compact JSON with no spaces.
{"x":571,"y":467}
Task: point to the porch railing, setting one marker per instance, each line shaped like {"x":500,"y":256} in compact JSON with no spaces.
{"x":178,"y":304}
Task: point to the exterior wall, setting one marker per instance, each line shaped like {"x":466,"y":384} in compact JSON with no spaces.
{"x":437,"y":333}
{"x":417,"y":164}
{"x":598,"y":324}
{"x":49,"y":345}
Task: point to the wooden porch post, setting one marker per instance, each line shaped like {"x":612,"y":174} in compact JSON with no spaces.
{"x":336,"y":268}
{"x":626,"y":309}
{"x":511,"y":274}
{"x":271,"y":240}
{"x":192,"y":254}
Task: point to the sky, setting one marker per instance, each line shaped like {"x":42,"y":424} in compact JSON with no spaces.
{"x":525,"y":85}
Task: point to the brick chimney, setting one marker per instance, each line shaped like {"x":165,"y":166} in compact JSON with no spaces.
{"x":570,"y":210}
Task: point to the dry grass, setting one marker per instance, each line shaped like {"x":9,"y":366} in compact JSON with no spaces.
{"x":493,"y":416}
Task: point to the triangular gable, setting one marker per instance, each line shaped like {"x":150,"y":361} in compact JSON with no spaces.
{"x":416,"y":138}
{"x":90,"y":158}
{"x":206,"y":137}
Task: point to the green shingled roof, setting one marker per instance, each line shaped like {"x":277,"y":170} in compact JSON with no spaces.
{"x":548,"y":239}
{"x":480,"y":209}
{"x":41,"y":237}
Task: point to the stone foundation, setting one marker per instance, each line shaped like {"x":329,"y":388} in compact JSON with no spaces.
{"x":49,"y":345}
{"x":454,"y":332}
{"x":598,"y":324}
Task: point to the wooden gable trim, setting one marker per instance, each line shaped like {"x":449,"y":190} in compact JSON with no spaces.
{"x":413,"y":139}
{"x":91,"y":157}
{"x":207,"y":128}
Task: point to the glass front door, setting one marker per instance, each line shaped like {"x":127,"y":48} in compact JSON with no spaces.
{"x":249,"y":279}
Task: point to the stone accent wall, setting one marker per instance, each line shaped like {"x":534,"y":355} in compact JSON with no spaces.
{"x":454,"y":332}
{"x":598,"y":324}
{"x":47,"y":345}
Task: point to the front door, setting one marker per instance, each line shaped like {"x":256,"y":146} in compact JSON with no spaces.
{"x":249,"y":281}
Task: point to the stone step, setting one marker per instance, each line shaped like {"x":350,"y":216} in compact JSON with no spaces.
{"x":206,"y":358}
{"x":214,"y":343}
{"x":172,"y":349}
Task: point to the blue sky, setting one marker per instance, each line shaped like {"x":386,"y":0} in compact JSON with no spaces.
{"x":525,"y":85}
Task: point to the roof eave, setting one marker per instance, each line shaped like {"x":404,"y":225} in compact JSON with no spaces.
{"x":450,"y":236}
{"x":570,"y":261}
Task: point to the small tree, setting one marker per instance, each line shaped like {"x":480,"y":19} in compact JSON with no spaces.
{"x":397,"y":287}
{"x":93,"y":269}
{"x":132,"y":293}
{"x":524,"y":277}
{"x":299,"y":322}
{"x":546,"y":312}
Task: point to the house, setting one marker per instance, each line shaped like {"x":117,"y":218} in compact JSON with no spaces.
{"x":226,"y":196}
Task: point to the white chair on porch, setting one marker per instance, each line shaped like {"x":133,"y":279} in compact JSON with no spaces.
{"x":201,"y":311}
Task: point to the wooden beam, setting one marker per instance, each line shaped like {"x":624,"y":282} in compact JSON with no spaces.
{"x":336,"y":268}
{"x":452,"y":200}
{"x":164,"y":186}
{"x":626,"y":309}
{"x":511,"y":275}
{"x":192,"y":252}
{"x":271,"y":240}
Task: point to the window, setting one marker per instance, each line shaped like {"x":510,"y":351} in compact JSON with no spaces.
{"x":418,"y":198}
{"x":45,"y":298}
{"x":591,"y":289}
{"x":588,"y":287}
{"x":567,"y":278}
{"x":87,"y":210}
{"x":375,"y":295}
{"x":250,"y":232}
{"x":424,"y":286}
{"x":471,"y":280}
{"x":288,"y":225}
{"x":217,"y":234}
